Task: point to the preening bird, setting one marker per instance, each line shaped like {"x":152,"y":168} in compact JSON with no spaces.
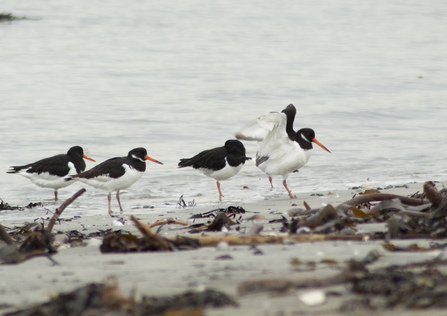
{"x":281,"y":150}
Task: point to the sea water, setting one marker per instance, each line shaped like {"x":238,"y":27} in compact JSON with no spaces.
{"x":179,"y":77}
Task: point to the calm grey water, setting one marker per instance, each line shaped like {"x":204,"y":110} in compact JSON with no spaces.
{"x":178,"y":77}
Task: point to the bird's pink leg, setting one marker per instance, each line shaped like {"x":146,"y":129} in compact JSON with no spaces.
{"x":220,"y":192}
{"x":290,"y":192}
{"x":271,"y":183}
{"x":109,"y":198}
{"x":119,"y":202}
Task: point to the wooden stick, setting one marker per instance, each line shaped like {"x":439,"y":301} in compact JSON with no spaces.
{"x":61,"y":209}
{"x":167,"y":221}
{"x":157,"y":241}
{"x":211,"y":241}
{"x":381,"y":197}
{"x":5,"y":236}
{"x":432,"y":193}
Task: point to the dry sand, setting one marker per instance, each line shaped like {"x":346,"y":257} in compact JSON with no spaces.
{"x":161,"y":273}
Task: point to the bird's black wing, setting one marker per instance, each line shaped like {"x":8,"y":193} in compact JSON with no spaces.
{"x":213,"y":159}
{"x":56,"y":165}
{"x":112,"y":167}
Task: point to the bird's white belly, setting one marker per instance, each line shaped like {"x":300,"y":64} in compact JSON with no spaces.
{"x":285,"y":159}
{"x":115,"y":184}
{"x":223,"y":174}
{"x":46,"y":180}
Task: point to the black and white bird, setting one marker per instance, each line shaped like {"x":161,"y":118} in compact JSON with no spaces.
{"x":220,"y":163}
{"x":50,"y":172}
{"x":116,"y":174}
{"x":281,"y":150}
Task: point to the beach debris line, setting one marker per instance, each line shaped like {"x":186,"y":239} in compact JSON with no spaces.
{"x":107,"y":299}
{"x":38,"y":243}
{"x":151,"y":241}
{"x":419,"y":215}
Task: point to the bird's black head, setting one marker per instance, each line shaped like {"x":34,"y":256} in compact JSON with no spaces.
{"x":289,"y":110}
{"x":75,"y":151}
{"x":234,"y":146}
{"x":307,"y":134}
{"x":138,"y":153}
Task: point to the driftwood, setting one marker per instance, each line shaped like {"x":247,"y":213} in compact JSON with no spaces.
{"x":381,"y":197}
{"x":157,"y":241}
{"x":212,"y":241}
{"x":167,"y":221}
{"x":438,"y":200}
{"x":5,"y":236}
{"x":61,"y":209}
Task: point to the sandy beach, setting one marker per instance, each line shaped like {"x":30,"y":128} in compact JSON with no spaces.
{"x":222,"y":268}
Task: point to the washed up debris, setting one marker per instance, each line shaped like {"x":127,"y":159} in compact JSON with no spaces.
{"x":126,"y":242}
{"x":221,"y":220}
{"x":233,"y":240}
{"x":167,"y":222}
{"x":107,"y":299}
{"x":182,"y":204}
{"x":151,"y":241}
{"x":230,"y":211}
{"x":404,"y":286}
{"x":189,"y":303}
{"x":9,"y":17}
{"x":421,"y":215}
{"x":413,"y":247}
{"x":433,"y":223}
{"x":4,"y":206}
{"x":38,"y":243}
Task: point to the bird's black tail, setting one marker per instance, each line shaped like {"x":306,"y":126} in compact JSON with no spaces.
{"x":185,"y":162}
{"x":15,"y":169}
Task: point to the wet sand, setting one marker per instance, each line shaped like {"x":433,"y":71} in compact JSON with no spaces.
{"x":164,"y":273}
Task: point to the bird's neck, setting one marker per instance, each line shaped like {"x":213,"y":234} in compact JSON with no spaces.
{"x":289,"y":128}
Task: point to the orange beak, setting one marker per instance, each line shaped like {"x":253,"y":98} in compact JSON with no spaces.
{"x":321,"y":145}
{"x":152,"y":159}
{"x":88,"y":158}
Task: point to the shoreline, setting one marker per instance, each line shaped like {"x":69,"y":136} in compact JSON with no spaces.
{"x":167,"y":273}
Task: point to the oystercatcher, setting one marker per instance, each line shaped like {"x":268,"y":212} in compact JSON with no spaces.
{"x":220,"y":163}
{"x":50,"y":172}
{"x":281,"y":150}
{"x":116,"y":174}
